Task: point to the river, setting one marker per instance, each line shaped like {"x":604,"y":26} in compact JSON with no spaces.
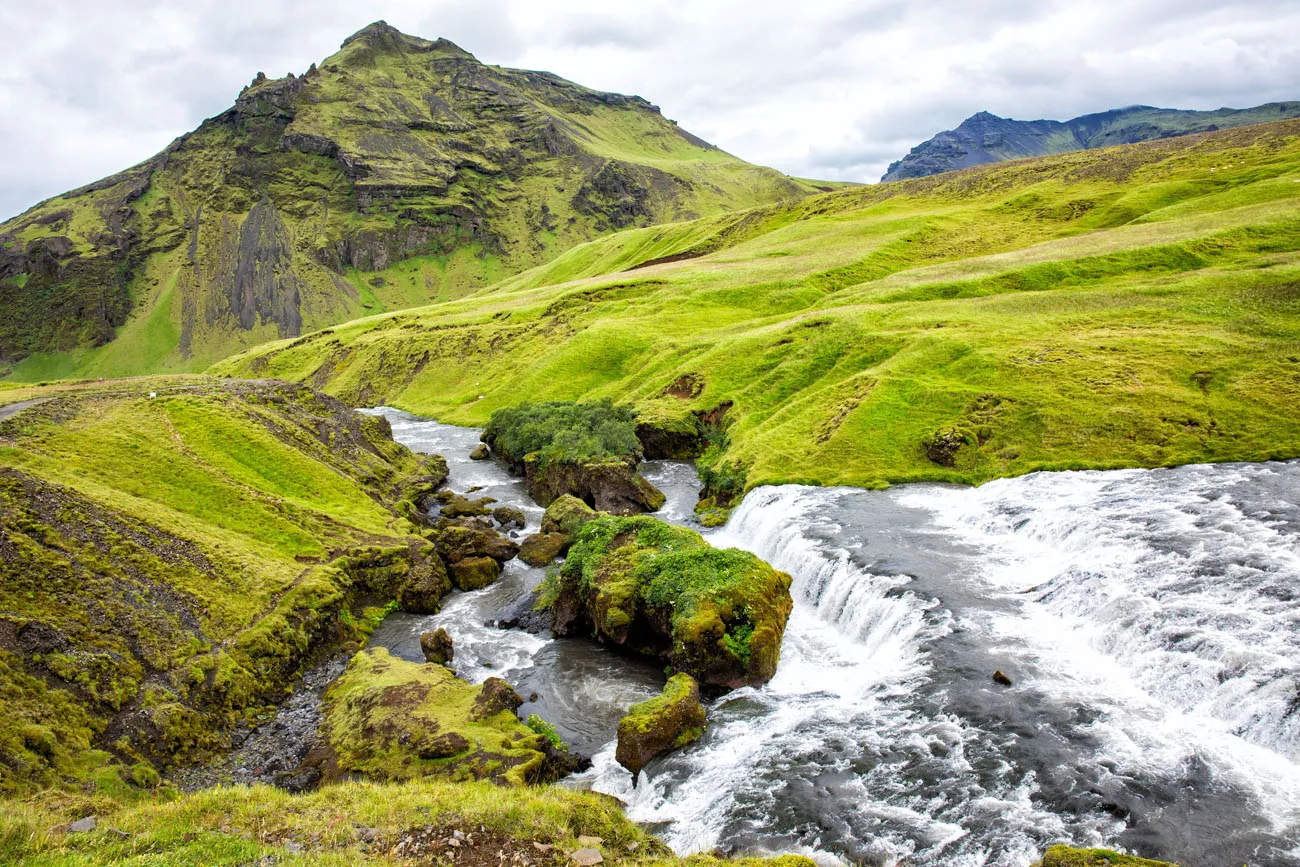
{"x":1147,"y":621}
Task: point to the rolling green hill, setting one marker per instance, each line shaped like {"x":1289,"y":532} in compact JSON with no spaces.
{"x":1131,"y":306}
{"x":398,"y":172}
{"x":986,"y":138}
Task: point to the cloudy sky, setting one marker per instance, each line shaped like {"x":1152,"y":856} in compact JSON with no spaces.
{"x":817,"y":88}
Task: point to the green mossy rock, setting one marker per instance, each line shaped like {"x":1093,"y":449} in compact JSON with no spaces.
{"x":1064,"y":856}
{"x":509,"y":517}
{"x":395,"y":720}
{"x":480,"y":453}
{"x":663,"y":591}
{"x":437,"y":646}
{"x":456,"y":543}
{"x":666,"y":722}
{"x":475,"y":573}
{"x":540,"y":549}
{"x":568,"y":515}
{"x":459,"y":506}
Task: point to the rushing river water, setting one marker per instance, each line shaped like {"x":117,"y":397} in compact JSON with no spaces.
{"x":1148,"y":621}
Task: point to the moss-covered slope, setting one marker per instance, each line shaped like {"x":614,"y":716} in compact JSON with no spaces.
{"x":1132,"y":306}
{"x":169,"y":565}
{"x":398,"y":172}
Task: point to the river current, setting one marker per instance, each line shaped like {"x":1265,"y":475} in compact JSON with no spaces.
{"x":1147,"y":620}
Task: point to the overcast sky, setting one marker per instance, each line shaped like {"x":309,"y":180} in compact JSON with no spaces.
{"x":817,"y":88}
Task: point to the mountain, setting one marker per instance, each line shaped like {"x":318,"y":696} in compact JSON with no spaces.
{"x":397,"y":172}
{"x":987,"y":138}
{"x":1133,"y":306}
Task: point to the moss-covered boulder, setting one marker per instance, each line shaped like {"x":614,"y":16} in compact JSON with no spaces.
{"x":661,"y":590}
{"x":395,"y":720}
{"x":475,"y":573}
{"x":564,"y":518}
{"x":459,"y":506}
{"x":456,"y":543}
{"x":610,"y":486}
{"x":509,"y":517}
{"x":1065,"y":856}
{"x":480,"y":453}
{"x":667,"y":722}
{"x":437,"y":646}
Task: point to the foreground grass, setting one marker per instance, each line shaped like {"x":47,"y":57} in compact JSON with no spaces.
{"x":1134,"y":306}
{"x":345,"y":824}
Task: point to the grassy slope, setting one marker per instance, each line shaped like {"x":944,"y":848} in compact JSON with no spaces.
{"x":1128,"y":306}
{"x":167,"y":565}
{"x":450,"y":175}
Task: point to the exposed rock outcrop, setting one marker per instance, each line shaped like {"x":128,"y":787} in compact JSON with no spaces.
{"x":611,"y":486}
{"x":564,"y":519}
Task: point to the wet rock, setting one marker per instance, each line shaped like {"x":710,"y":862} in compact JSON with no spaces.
{"x":1001,"y":679}
{"x":667,"y":722}
{"x":480,"y":453}
{"x":495,"y":696}
{"x":540,"y":549}
{"x":437,"y":646}
{"x":611,"y":486}
{"x":475,"y":573}
{"x":526,"y":616}
{"x":509,"y":517}
{"x":478,"y":523}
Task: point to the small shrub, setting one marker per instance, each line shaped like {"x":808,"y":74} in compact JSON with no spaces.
{"x":564,"y":432}
{"x":546,"y":730}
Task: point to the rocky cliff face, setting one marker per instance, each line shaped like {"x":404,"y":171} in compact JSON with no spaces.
{"x":398,"y":171}
{"x":986,"y":138}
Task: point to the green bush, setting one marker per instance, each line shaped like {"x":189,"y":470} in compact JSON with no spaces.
{"x":564,"y":432}
{"x":546,"y":730}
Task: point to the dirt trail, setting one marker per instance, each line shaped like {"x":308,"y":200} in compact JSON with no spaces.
{"x":14,"y":408}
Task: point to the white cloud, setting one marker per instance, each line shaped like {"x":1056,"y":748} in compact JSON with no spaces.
{"x":819,"y":88}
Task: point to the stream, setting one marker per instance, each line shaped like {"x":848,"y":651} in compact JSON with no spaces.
{"x":1147,"y":620}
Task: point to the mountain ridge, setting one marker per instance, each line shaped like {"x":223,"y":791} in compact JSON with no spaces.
{"x":279,"y":213}
{"x":985,"y":137}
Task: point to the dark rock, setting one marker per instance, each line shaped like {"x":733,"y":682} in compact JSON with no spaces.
{"x":1001,"y":679}
{"x":425,"y":584}
{"x":667,"y":722}
{"x":480,"y":453}
{"x":612,"y":486}
{"x":943,"y":445}
{"x":437,"y":646}
{"x":526,"y":616}
{"x":508,"y":517}
{"x":443,"y":746}
{"x":495,"y":696}
{"x":460,"y":543}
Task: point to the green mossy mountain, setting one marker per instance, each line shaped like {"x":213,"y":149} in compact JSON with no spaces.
{"x":397,"y":172}
{"x":1128,"y":306}
{"x":986,"y":138}
{"x":169,"y":565}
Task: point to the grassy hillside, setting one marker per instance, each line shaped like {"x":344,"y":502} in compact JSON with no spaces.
{"x":399,"y":172}
{"x":1132,"y":306}
{"x":169,"y":565}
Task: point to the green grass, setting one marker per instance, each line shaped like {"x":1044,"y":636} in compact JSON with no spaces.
{"x":182,"y":556}
{"x":1100,"y":309}
{"x":438,"y":188}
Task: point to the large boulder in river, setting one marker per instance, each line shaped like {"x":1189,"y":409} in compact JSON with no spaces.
{"x":1065,"y":856}
{"x":474,"y":573}
{"x":456,"y":543}
{"x":661,"y":590}
{"x":609,"y":486}
{"x":564,"y":518}
{"x":667,"y":722}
